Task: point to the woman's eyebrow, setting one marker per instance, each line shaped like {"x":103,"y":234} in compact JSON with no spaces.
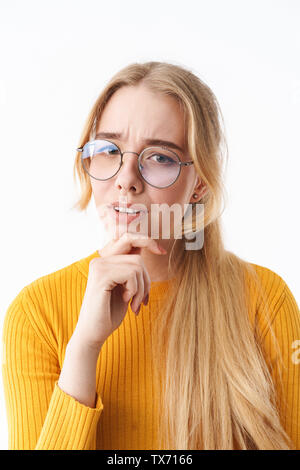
{"x":118,"y":135}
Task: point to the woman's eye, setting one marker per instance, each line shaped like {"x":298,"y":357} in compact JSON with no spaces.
{"x":163,"y":159}
{"x":107,"y":150}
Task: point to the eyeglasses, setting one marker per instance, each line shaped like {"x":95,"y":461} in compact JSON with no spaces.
{"x":159,"y":166}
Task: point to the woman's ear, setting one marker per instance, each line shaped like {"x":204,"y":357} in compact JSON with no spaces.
{"x":200,"y":189}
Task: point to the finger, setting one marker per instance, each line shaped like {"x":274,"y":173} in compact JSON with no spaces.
{"x":125,"y":259}
{"x":133,"y":259}
{"x":135,"y":250}
{"x":131,"y":287}
{"x":147,"y":286}
{"x":140,"y":294}
{"x":128,"y":242}
{"x":132,"y":243}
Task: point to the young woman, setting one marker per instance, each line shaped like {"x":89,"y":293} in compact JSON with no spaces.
{"x":152,"y":342}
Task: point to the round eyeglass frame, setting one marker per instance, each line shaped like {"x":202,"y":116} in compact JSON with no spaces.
{"x":80,"y":149}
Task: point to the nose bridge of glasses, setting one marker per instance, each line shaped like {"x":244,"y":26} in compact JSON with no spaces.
{"x":122,"y":155}
{"x":135,"y":153}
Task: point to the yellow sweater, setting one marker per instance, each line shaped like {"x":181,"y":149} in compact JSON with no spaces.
{"x":38,"y":325}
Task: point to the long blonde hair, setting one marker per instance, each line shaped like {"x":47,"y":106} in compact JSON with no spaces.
{"x":216,"y":387}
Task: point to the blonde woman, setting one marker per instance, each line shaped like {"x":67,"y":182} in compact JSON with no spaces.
{"x":154,"y":342}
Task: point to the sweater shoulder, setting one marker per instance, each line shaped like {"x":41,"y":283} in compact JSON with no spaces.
{"x":77,"y":268}
{"x":268,"y":292}
{"x":51,"y":303}
{"x":269,"y":280}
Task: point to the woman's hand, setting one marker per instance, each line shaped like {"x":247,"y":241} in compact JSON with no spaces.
{"x":114,"y":278}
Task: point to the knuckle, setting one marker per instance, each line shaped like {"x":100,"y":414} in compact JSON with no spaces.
{"x":138,"y":269}
{"x":132,"y":274}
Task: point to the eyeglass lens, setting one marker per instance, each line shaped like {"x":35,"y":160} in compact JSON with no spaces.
{"x":102,"y":160}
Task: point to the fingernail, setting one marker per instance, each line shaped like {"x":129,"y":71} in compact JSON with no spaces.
{"x":138,"y":310}
{"x":146,"y":299}
{"x":162,"y":250}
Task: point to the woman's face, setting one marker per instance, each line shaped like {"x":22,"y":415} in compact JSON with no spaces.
{"x":138,"y":114}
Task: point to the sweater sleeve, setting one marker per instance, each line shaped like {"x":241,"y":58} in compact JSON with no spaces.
{"x":285,"y":372}
{"x":40,"y":415}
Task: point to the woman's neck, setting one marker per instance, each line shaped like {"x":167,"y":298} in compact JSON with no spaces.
{"x":157,"y":265}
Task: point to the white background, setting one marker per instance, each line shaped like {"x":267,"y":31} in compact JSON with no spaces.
{"x":55,"y":58}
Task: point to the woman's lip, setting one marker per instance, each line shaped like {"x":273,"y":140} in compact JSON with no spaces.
{"x":125,"y":217}
{"x":134,"y":206}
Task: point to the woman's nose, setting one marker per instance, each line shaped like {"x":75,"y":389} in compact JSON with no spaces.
{"x":131,"y":163}
{"x":129,"y":175}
